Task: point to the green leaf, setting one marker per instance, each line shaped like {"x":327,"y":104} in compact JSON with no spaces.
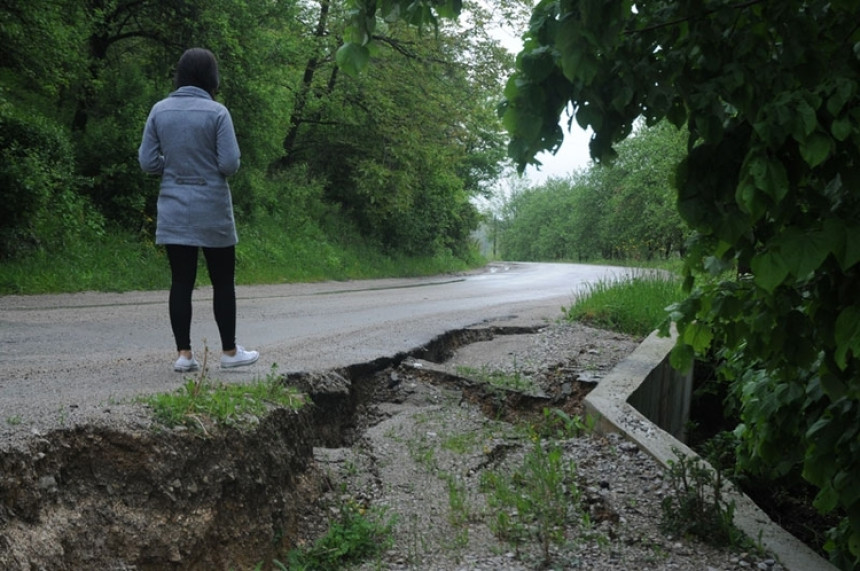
{"x":537,"y":64}
{"x":748,"y":197}
{"x":677,"y":114}
{"x":522,"y":123}
{"x":715,"y":266}
{"x":682,"y":356}
{"x":769,"y":269}
{"x":769,"y":175}
{"x":589,"y":116}
{"x":841,"y":128}
{"x":842,"y":93}
{"x":803,"y":252}
{"x":352,"y":58}
{"x":577,"y":59}
{"x":833,"y":387}
{"x":852,"y":247}
{"x":698,"y":336}
{"x":815,"y":148}
{"x":450,"y":9}
{"x":847,"y":333}
{"x":805,"y":121}
{"x":826,"y":500}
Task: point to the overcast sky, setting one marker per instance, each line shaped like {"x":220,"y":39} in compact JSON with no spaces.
{"x":573,"y":154}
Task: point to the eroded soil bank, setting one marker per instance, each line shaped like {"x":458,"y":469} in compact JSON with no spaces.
{"x":407,"y":433}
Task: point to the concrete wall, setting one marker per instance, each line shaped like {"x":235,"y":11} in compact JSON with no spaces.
{"x":645,"y":379}
{"x":664,"y":398}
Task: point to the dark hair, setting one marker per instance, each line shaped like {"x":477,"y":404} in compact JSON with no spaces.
{"x":197,"y":67}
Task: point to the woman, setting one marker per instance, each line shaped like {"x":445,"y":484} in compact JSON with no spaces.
{"x":189,"y":140}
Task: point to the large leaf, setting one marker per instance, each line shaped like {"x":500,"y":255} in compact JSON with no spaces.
{"x":815,"y":148}
{"x":538,"y":64}
{"x":847,"y":335}
{"x":804,"y":252}
{"x":769,"y":175}
{"x":698,"y":336}
{"x":352,"y":58}
{"x":769,"y":269}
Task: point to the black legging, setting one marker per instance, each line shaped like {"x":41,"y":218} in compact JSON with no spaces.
{"x":221,"y":263}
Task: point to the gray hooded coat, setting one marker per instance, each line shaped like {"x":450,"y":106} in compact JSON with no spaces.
{"x":189,"y":140}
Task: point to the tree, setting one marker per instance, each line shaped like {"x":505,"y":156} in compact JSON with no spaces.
{"x":639,"y":219}
{"x":624,"y":210}
{"x":404,"y":147}
{"x":542,"y":228}
{"x":769,"y":94}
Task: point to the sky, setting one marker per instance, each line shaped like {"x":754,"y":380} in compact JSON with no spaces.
{"x":573,"y":155}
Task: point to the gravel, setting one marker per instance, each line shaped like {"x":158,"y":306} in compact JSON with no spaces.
{"x":428,"y":447}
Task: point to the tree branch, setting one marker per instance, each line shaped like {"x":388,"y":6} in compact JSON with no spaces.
{"x":739,"y":6}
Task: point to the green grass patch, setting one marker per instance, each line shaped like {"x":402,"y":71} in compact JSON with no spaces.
{"x":201,"y":402}
{"x":114,"y":262}
{"x":634,"y":305}
{"x":537,"y":501}
{"x":120,"y":260}
{"x":515,"y":381}
{"x":461,"y":442}
{"x":697,"y":505}
{"x":356,"y":535}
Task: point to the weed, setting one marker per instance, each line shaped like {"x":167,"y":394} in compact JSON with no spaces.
{"x":516,"y":381}
{"x":13,"y":420}
{"x":536,"y":501}
{"x":421,"y":451}
{"x":200,"y":401}
{"x":461,"y":443}
{"x":556,"y":423}
{"x":460,"y":511}
{"x":697,"y":506}
{"x":356,"y":535}
{"x":350,"y":468}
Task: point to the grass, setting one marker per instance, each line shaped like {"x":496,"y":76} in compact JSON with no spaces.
{"x":120,"y":260}
{"x":537,"y":501}
{"x":201,"y":402}
{"x":697,"y":505}
{"x":356,"y":535}
{"x":634,"y":305}
{"x":556,"y":423}
{"x":515,"y":381}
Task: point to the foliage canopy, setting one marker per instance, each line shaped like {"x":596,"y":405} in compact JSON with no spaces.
{"x":391,"y":157}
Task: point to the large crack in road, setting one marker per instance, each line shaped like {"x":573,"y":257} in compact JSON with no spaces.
{"x":95,"y":496}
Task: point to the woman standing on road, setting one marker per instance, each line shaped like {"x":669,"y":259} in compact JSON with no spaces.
{"x":189,"y":141}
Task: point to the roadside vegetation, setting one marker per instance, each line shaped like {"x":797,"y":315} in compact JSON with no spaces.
{"x":636,"y":304}
{"x":354,"y":536}
{"x":623,"y":212}
{"x":341,"y":177}
{"x":119,"y":261}
{"x":202,"y":404}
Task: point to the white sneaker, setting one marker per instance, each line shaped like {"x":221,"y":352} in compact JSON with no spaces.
{"x":240,"y":359}
{"x":185,"y":364}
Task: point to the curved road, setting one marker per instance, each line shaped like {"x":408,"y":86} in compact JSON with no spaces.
{"x":66,"y":359}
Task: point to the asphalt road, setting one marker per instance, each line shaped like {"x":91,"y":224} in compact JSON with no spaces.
{"x":66,"y":359}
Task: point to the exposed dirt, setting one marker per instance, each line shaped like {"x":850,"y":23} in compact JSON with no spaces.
{"x":411,"y":434}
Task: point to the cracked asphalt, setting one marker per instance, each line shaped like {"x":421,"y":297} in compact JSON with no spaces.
{"x":72,"y":359}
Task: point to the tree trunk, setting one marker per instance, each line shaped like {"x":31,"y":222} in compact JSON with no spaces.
{"x":296,"y":117}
